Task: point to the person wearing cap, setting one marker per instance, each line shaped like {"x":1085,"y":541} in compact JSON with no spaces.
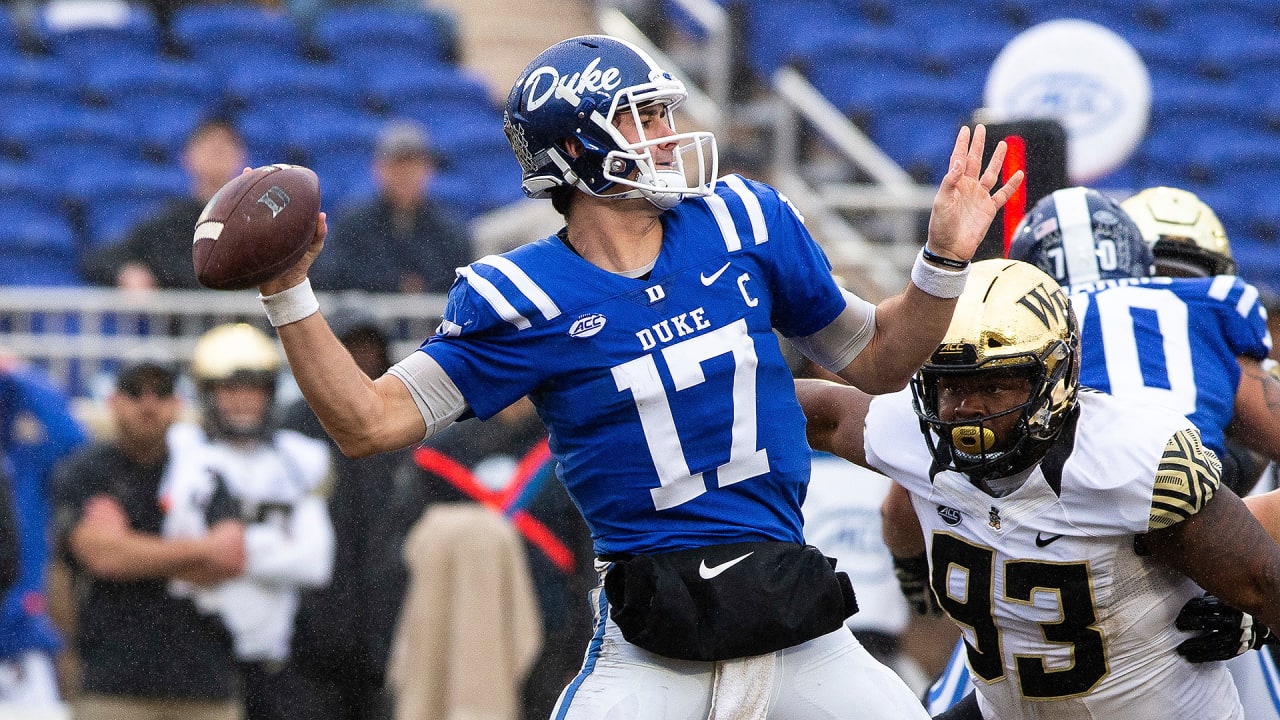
{"x":400,"y":240}
{"x":146,"y":653}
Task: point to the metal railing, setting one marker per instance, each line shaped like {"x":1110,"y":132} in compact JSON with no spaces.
{"x":79,"y":334}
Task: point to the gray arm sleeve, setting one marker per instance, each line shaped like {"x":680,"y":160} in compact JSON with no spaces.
{"x":836,"y":345}
{"x":437,"y":398}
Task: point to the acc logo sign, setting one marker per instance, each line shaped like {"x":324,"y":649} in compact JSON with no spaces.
{"x":1083,"y":75}
{"x":587,"y":325}
{"x":590,"y":79}
{"x":949,"y":515}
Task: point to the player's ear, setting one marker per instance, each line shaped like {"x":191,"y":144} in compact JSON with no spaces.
{"x":572,"y":146}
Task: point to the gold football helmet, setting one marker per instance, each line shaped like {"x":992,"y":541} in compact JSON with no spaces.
{"x":1011,"y":316}
{"x":234,"y":354}
{"x":1185,"y":234}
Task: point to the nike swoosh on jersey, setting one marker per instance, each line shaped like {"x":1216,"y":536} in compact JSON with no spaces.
{"x":706,"y":573}
{"x":1042,"y":541}
{"x":708,"y":279}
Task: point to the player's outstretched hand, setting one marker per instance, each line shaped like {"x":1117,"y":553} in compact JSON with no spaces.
{"x":298,"y":272}
{"x":1224,"y":632}
{"x":965,"y":204}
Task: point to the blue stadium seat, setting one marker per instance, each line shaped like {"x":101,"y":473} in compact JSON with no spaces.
{"x":781,"y":32}
{"x":964,"y":46}
{"x":919,"y":138}
{"x":292,"y":83}
{"x":366,"y":37}
{"x":9,"y":35}
{"x":477,"y":173}
{"x":33,"y":185}
{"x":423,"y":90}
{"x":336,"y":132}
{"x":344,"y":177}
{"x":224,"y":34}
{"x":133,"y":84}
{"x":263,"y":135}
{"x":27,"y":81}
{"x":163,"y":99}
{"x":36,"y":247}
{"x":112,"y":197}
{"x":858,"y":88}
{"x":62,"y":138}
{"x":84,"y":32}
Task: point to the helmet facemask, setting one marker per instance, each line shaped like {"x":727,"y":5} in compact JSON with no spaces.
{"x":235,"y":355}
{"x":220,"y":423}
{"x":1011,"y":319}
{"x":634,"y":165}
{"x":970,"y":445}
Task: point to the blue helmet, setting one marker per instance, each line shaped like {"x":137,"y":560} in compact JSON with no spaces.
{"x":1078,"y":235}
{"x":575,"y":90}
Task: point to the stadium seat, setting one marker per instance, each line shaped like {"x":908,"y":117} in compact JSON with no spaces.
{"x":781,"y":33}
{"x":62,"y":138}
{"x":963,"y":45}
{"x":111,"y":197}
{"x":224,"y":34}
{"x":361,"y":37}
{"x":31,"y":184}
{"x":36,"y":247}
{"x":425,"y":90}
{"x":126,"y":85}
{"x":83,"y":31}
{"x":477,"y":173}
{"x":336,"y":131}
{"x":29,"y":81}
{"x":293,"y":84}
{"x":10,"y":44}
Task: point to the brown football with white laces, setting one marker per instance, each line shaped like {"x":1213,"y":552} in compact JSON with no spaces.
{"x":256,"y":227}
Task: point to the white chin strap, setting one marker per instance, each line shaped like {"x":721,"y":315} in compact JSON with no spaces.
{"x":669,"y":187}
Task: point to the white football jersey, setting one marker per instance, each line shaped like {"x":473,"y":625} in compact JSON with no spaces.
{"x":280,"y":486}
{"x":1062,"y":618}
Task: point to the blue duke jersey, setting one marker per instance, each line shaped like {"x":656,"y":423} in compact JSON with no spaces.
{"x":1173,"y":341}
{"x":668,"y":402}
{"x":1060,"y":616}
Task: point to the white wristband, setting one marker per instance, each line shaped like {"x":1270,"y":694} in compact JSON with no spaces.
{"x":292,"y":305}
{"x":938,"y":282}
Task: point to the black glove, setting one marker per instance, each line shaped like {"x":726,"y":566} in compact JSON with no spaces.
{"x":913,"y":579}
{"x":1225,"y":632}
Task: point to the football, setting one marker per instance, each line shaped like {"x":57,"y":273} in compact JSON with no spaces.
{"x":256,"y":227}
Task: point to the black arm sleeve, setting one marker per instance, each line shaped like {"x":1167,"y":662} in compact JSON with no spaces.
{"x":8,"y":536}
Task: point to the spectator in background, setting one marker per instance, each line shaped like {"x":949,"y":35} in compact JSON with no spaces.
{"x":156,"y":253}
{"x":343,"y":633}
{"x":278,"y":479}
{"x":147,"y":654}
{"x":400,"y":240}
{"x":37,"y":428}
{"x":504,"y":464}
